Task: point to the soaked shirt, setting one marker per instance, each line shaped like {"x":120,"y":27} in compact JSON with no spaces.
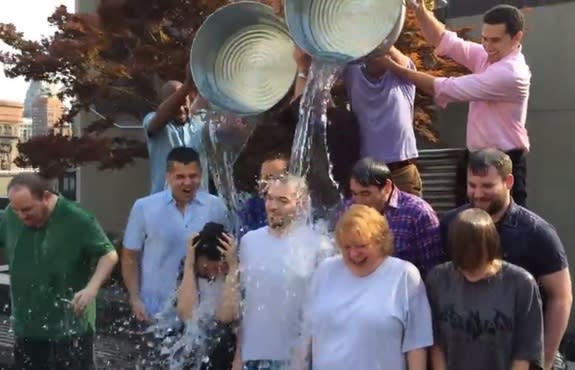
{"x":48,"y":266}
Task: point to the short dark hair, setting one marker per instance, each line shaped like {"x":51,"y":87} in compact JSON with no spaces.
{"x":273,"y":156}
{"x":481,"y":160}
{"x":371,"y":172}
{"x":36,"y":184}
{"x":208,"y":244}
{"x":183,"y":155}
{"x":506,"y":14}
{"x":473,"y":239}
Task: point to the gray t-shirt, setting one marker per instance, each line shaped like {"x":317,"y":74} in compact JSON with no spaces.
{"x":489,"y":323}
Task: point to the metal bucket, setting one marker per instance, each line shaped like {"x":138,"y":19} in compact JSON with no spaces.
{"x":344,"y":30}
{"x":242,"y":59}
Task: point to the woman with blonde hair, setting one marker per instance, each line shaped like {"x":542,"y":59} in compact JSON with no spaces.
{"x":367,"y":310}
{"x":486,"y":312}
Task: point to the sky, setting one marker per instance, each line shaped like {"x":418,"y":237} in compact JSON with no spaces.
{"x":30,"y":17}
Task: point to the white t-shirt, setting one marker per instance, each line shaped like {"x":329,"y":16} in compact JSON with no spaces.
{"x":367,"y":323}
{"x":274,"y":275}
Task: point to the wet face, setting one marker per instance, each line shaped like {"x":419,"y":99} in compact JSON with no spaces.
{"x":371,"y":196}
{"x":271,"y":170}
{"x":31,"y":210}
{"x":361,"y":257}
{"x":184,"y":180}
{"x":210,"y":269}
{"x":488,"y":191}
{"x":497,"y":42}
{"x":281,"y":201}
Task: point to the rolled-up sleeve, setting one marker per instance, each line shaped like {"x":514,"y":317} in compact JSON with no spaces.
{"x":467,"y":53}
{"x":496,"y":83}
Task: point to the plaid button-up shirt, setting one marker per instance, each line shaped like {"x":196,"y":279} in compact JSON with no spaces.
{"x":416,"y":231}
{"x":415,"y":228}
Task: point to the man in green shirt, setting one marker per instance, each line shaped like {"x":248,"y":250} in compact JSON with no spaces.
{"x":59,"y":257}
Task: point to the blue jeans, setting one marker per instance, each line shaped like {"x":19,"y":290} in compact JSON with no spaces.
{"x":265,"y":365}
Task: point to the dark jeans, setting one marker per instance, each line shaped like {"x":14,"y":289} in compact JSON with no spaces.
{"x":73,"y":353}
{"x":519,"y":190}
{"x":222,"y":348}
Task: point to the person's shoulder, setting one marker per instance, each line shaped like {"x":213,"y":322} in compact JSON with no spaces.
{"x":253,"y":235}
{"x":403,"y":268}
{"x":440,"y":272}
{"x":450,"y":215}
{"x":73,"y":212}
{"x":151,"y":199}
{"x":209,"y":199}
{"x":333,"y":263}
{"x":518,"y":273}
{"x":414,"y":202}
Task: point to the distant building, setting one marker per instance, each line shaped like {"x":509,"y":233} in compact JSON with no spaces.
{"x":46,"y":111}
{"x":25,"y":129}
{"x":10,"y":122}
{"x":44,"y":108}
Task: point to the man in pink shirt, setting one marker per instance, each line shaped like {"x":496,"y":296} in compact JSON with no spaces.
{"x":497,"y":90}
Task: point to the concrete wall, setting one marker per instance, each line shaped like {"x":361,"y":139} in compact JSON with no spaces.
{"x":110,"y":194}
{"x":549,"y":50}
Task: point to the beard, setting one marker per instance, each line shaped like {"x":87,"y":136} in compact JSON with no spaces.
{"x":280,"y":222}
{"x":494,"y":206}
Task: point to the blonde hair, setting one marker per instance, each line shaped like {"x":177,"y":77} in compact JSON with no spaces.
{"x":363,"y":224}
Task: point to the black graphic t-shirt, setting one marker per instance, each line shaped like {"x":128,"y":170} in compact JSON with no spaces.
{"x":489,"y":323}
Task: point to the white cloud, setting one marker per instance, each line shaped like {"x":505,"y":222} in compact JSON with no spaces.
{"x":30,"y":17}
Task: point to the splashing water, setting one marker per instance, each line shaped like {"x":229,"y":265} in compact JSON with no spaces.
{"x":310,"y":154}
{"x":224,"y":137}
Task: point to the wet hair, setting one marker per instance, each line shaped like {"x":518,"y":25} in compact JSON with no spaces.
{"x":298,"y":182}
{"x":274,"y":156}
{"x":364,"y":224}
{"x":208,"y":241}
{"x":506,"y":14}
{"x":481,"y":160}
{"x":371,"y":172}
{"x":36,"y":184}
{"x":183,"y":155}
{"x":473,"y":240}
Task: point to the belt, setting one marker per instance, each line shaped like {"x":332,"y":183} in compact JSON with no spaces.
{"x":394,"y":166}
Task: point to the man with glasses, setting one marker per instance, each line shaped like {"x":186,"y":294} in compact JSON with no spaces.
{"x":253,"y":214}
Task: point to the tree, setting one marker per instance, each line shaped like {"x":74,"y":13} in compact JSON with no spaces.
{"x":115,"y":61}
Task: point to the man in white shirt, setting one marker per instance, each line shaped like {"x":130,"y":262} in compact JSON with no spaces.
{"x":276,"y":263}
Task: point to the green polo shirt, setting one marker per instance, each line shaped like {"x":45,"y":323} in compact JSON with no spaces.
{"x":47,"y":266}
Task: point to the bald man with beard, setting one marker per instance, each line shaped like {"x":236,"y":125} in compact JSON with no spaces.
{"x":173,"y":125}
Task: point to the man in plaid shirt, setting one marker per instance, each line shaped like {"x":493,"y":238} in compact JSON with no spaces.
{"x":414,"y":224}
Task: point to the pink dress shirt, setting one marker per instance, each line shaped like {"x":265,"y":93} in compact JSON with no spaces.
{"x":497,"y":94}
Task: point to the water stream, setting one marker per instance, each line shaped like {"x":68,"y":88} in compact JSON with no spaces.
{"x":310,"y":155}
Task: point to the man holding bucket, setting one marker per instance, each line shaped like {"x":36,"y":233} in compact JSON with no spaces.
{"x":497,"y":90}
{"x":173,"y":125}
{"x":383,"y":104}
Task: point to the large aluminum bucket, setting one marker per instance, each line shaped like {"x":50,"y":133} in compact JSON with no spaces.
{"x":242,"y":59}
{"x":344,"y":30}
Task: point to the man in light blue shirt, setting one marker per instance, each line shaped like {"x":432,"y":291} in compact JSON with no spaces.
{"x":158,"y":228}
{"x":175,"y":123}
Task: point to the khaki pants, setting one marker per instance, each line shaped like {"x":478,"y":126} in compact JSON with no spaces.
{"x":407,"y":179}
